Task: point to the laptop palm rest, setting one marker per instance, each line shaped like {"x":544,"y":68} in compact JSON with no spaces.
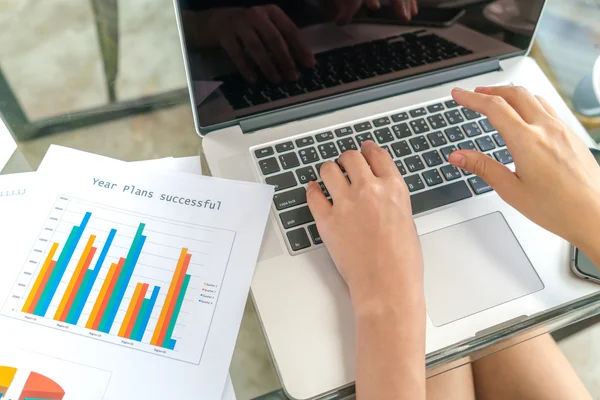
{"x":474,"y":266}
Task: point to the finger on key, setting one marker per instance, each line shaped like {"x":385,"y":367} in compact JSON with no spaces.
{"x":520,"y":99}
{"x":379,"y":159}
{"x":317,"y":202}
{"x":547,"y":106}
{"x":500,"y":114}
{"x":335,"y":181}
{"x":356,"y":166}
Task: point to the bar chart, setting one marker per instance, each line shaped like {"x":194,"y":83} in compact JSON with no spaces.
{"x":130,"y":279}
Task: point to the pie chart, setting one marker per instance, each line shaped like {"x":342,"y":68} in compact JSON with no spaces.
{"x":37,"y":386}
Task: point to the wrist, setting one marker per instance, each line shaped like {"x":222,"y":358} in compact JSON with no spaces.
{"x":586,"y":236}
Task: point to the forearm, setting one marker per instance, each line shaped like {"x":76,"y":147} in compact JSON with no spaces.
{"x":390,"y":345}
{"x":587,"y":234}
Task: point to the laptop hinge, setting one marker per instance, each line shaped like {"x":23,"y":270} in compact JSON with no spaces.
{"x":366,"y":95}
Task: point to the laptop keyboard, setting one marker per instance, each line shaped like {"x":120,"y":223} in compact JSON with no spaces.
{"x":345,"y":65}
{"x":419,"y":141}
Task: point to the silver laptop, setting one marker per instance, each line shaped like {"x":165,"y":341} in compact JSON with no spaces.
{"x":485,"y":264}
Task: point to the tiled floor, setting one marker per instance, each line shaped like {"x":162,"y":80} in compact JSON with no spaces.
{"x":49,"y":54}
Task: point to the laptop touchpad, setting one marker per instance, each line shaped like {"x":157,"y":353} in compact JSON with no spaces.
{"x":474,"y":266}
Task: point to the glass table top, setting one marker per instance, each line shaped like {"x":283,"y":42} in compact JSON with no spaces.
{"x":107,"y":76}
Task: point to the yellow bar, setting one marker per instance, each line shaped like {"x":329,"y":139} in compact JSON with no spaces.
{"x":165,"y":307}
{"x":134,"y":299}
{"x":98,"y":304}
{"x":40,"y":278}
{"x":78,"y":271}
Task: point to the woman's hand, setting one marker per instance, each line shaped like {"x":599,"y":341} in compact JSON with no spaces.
{"x":369,"y":229}
{"x":556,"y":182}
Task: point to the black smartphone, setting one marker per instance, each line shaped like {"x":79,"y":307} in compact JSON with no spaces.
{"x":427,"y":16}
{"x":581,"y":265}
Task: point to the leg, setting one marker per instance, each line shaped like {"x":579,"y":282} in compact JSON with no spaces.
{"x":456,"y":384}
{"x":535,"y":369}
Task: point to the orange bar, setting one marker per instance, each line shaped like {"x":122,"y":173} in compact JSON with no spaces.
{"x":132,"y":303}
{"x":163,"y":331}
{"x":136,"y":310}
{"x":98,"y":303}
{"x":34,"y":296}
{"x":86,"y":266}
{"x":78,"y":272}
{"x":106,"y":298}
{"x":163,"y":313}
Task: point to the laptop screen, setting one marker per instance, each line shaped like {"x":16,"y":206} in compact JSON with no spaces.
{"x":249,"y":57}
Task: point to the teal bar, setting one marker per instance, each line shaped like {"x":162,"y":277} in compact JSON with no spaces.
{"x":141,"y":322}
{"x":61,"y":266}
{"x":122,"y":281}
{"x":186,"y":281}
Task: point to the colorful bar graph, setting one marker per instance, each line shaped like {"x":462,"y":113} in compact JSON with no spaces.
{"x":60,"y":267}
{"x":143,"y":317}
{"x":40,"y":282}
{"x":88,"y":282}
{"x":94,"y":318}
{"x":107,"y":294}
{"x":161,"y":326}
{"x":75,"y":282}
{"x":133,"y":310}
{"x":168,"y":341}
{"x":123,"y":278}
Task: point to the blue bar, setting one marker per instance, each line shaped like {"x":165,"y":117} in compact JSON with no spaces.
{"x":122,"y":281}
{"x":88,"y":282}
{"x":141,"y":322}
{"x":61,"y":266}
{"x":171,"y":344}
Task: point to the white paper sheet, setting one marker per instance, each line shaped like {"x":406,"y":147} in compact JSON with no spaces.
{"x":175,"y":372}
{"x":7,"y":145}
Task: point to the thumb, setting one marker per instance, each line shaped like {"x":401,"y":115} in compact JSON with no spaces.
{"x":317,"y":202}
{"x":500,"y":178}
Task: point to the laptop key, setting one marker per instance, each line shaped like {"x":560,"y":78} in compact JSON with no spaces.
{"x":401,"y":149}
{"x":437,"y":121}
{"x":454,"y":134}
{"x":289,"y":160}
{"x":432,"y":177}
{"x":383,"y":135}
{"x":314,"y":234}
{"x":281,"y":147}
{"x":381,"y":122}
{"x":269,"y":166}
{"x":470,"y":114}
{"x":324,"y":189}
{"x":499,"y":140}
{"x":451,"y":104}
{"x":298,"y":239}
{"x":403,"y":116}
{"x":454,"y":117}
{"x":328,"y":150}
{"x":432,"y":158}
{"x":307,"y":141}
{"x":322,"y":137}
{"x":440,"y":196}
{"x":414,"y":183}
{"x":446,"y":151}
{"x":290,"y":198}
{"x":450,"y":172}
{"x":479,"y":186}
{"x":306,"y":174}
{"x":295,"y":217}
{"x":419,"y":112}
{"x":363,"y":126}
{"x":437,"y":139}
{"x":400,"y":167}
{"x":435,"y":107}
{"x":419,"y":126}
{"x":414,"y":163}
{"x":503,"y":156}
{"x":402,"y":130}
{"x":267,"y":151}
{"x":486,"y":125}
{"x":363,"y":137}
{"x":282,"y":181}
{"x":419,"y":144}
{"x":308,"y":155}
{"x":471,"y":129}
{"x":345,"y":131}
{"x":346,"y":144}
{"x":468,"y":145}
{"x":387,"y":148}
{"x":485,"y":143}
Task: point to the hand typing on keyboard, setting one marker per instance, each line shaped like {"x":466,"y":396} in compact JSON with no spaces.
{"x":556,"y":182}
